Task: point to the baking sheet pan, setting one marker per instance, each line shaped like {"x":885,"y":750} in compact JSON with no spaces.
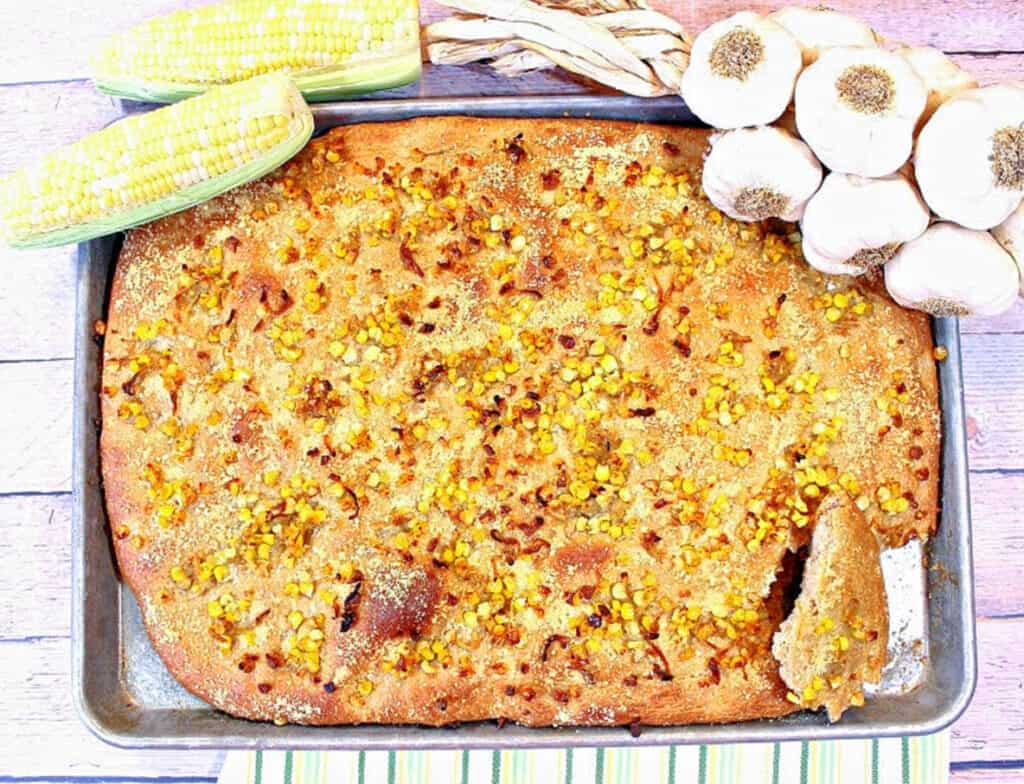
{"x":126,"y":697}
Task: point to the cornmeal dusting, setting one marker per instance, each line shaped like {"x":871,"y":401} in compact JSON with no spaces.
{"x":463,"y":419}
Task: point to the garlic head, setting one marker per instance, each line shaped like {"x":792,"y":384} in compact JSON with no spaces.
{"x":819,"y":28}
{"x":943,"y":78}
{"x":741,"y":72}
{"x":1010,"y":234}
{"x":857,"y":107}
{"x":853,"y":224}
{"x":953,"y":271}
{"x":969,"y":160}
{"x":756,"y":173}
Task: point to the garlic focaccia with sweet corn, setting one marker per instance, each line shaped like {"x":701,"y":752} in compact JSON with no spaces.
{"x":456,"y":419}
{"x":148,"y":165}
{"x":331,"y":48}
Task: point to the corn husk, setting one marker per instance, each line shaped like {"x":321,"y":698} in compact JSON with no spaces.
{"x":620,"y":43}
{"x":586,"y":7}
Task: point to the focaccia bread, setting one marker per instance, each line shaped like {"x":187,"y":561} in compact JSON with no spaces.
{"x":456,"y":419}
{"x":834,"y":639}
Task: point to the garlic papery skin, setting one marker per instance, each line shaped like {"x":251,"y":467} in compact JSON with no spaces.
{"x":816,"y":29}
{"x":857,"y":107}
{"x":1010,"y":234}
{"x":953,"y":271}
{"x":741,"y":72}
{"x":969,"y":160}
{"x":756,"y":173}
{"x":943,"y":78}
{"x":853,"y":224}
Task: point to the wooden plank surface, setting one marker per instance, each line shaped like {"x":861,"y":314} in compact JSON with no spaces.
{"x":35,"y":601}
{"x":991,"y":728}
{"x":993,"y":378}
{"x":49,"y":43}
{"x":56,"y":38}
{"x":35,"y":426}
{"x":996,"y":774}
{"x":48,"y":740}
{"x":999,"y":546}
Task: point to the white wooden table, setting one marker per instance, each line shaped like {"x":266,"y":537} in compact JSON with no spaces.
{"x":45,"y":101}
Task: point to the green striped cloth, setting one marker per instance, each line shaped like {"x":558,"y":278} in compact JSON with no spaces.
{"x":923,"y":760}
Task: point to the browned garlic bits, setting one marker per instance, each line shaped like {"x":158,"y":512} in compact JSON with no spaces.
{"x":969,"y":160}
{"x":741,"y":72}
{"x":1010,"y":234}
{"x":819,"y":28}
{"x":757,"y":173}
{"x":953,"y":271}
{"x":943,"y":78}
{"x":857,"y":107}
{"x":853,"y":224}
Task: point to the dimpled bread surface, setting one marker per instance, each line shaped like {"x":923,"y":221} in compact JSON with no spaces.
{"x":456,"y":419}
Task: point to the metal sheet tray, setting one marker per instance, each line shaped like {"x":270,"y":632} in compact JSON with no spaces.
{"x":126,"y":697}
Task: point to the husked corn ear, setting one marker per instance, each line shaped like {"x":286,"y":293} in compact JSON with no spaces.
{"x":149,"y":165}
{"x":329,"y":47}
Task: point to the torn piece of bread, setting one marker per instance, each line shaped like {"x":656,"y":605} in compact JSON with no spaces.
{"x":834,"y":640}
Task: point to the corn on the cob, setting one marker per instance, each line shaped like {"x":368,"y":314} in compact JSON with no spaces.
{"x":149,"y":165}
{"x":331,"y":48}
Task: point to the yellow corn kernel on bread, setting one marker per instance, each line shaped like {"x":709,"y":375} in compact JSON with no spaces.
{"x":456,"y":419}
{"x":833,"y":642}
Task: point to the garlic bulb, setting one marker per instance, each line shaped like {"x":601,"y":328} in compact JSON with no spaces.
{"x":953,"y":271}
{"x":969,"y":160}
{"x":742,"y":71}
{"x":943,"y":78}
{"x":857,"y":106}
{"x":1010,"y":234}
{"x":757,"y":173}
{"x":853,"y":224}
{"x":818,"y":28}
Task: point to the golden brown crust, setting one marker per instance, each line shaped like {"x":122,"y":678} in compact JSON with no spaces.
{"x":456,"y":419}
{"x":834,"y":640}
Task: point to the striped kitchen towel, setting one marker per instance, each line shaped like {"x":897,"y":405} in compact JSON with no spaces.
{"x":923,"y":760}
